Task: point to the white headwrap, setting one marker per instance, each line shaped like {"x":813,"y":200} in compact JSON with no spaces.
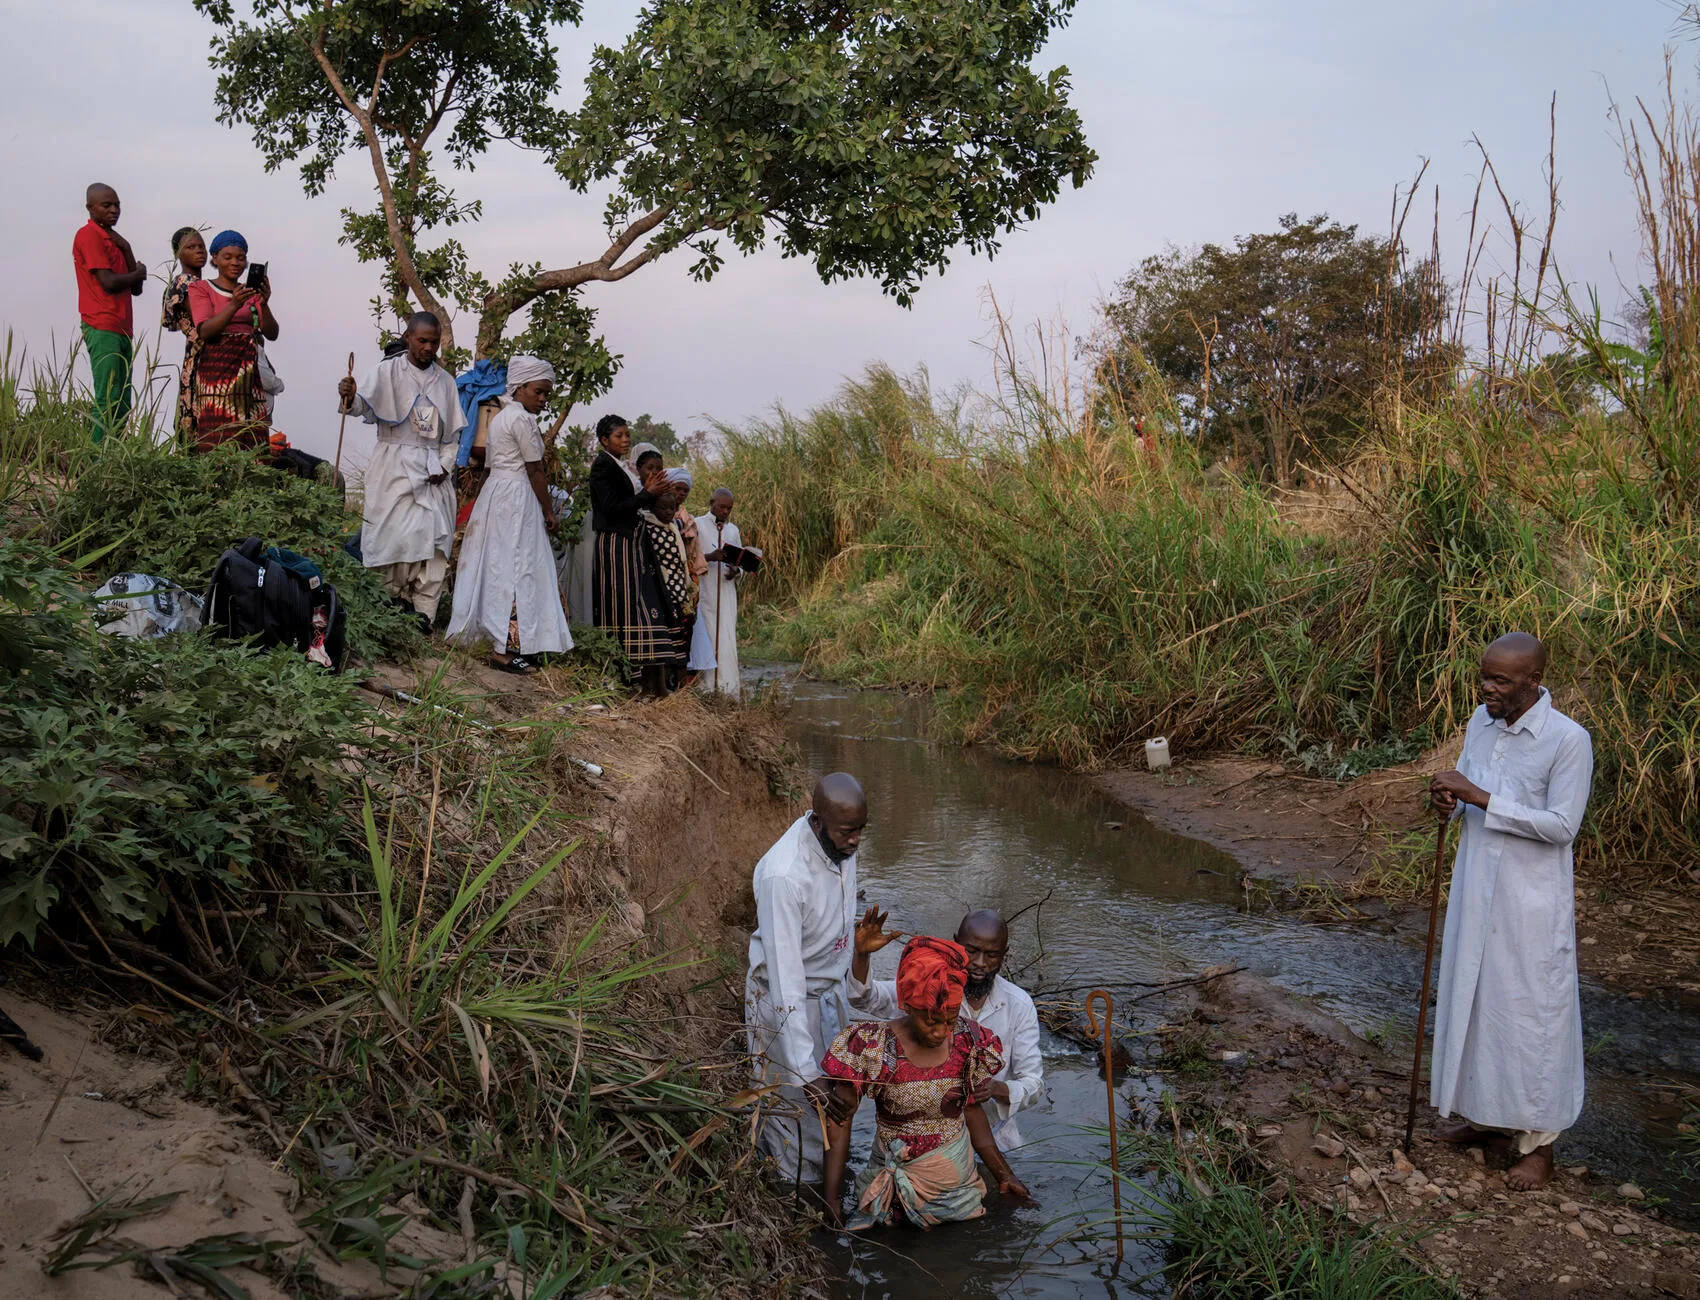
{"x":679,"y":474}
{"x":523,"y":370}
{"x":642,"y":449}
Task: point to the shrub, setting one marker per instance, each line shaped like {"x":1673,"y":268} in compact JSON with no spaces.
{"x":172,"y":515}
{"x":139,"y":774}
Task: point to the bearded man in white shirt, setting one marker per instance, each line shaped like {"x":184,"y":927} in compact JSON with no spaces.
{"x":1508,"y":1017}
{"x":794,"y":995}
{"x":991,"y":1001}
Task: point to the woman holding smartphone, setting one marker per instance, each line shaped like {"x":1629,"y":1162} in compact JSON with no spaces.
{"x":231,"y":315}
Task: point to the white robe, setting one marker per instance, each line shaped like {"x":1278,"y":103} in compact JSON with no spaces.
{"x":1009,"y":1013}
{"x":505,"y":556}
{"x":1508,"y":1018}
{"x":794,"y":994}
{"x":407,"y":518}
{"x":717,"y":607}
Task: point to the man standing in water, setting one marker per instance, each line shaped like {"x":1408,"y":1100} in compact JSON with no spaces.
{"x":714,"y":640}
{"x":794,"y":998}
{"x":408,"y":522}
{"x":1508,"y":1018}
{"x":991,"y":1001}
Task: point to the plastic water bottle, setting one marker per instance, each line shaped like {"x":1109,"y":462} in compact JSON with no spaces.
{"x":1157,"y":753}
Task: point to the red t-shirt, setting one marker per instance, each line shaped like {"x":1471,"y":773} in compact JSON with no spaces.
{"x":93,"y":249}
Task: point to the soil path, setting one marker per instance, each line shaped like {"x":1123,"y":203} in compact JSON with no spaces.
{"x":1326,"y":1109}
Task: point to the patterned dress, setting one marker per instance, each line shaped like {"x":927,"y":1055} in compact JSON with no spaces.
{"x":229,"y":404}
{"x":175,"y":315}
{"x":664,"y":555}
{"x":923,"y":1163}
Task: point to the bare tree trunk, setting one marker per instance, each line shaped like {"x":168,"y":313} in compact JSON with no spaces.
{"x":405,"y":266}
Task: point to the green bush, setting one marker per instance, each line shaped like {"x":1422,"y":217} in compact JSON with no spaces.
{"x":136,"y":773}
{"x":172,"y":515}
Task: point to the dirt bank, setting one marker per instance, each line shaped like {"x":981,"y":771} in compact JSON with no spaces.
{"x":1326,"y":1109}
{"x":672,"y":802}
{"x":1355,"y":839}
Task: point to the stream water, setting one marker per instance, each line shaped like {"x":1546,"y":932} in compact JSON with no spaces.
{"x":954,"y":828}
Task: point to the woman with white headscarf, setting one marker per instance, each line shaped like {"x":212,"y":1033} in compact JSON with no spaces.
{"x":505,"y":588}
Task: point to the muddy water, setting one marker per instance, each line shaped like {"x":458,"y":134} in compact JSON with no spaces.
{"x":953,"y":828}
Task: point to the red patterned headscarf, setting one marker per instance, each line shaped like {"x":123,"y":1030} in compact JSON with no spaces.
{"x":932,"y":974}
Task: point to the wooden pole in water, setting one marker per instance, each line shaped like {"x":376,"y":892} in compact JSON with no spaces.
{"x":1428,"y":969}
{"x":343,"y":423}
{"x":1110,"y":1096}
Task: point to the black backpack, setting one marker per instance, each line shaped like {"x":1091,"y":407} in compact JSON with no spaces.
{"x":270,"y":595}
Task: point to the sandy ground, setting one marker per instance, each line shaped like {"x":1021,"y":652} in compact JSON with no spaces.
{"x":91,"y":1122}
{"x":1326,"y":1109}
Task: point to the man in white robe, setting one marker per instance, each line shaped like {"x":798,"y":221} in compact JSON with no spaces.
{"x":994,"y":1003}
{"x":408,"y":522}
{"x":1508,"y":1017}
{"x":714,"y":639}
{"x":794,"y":998}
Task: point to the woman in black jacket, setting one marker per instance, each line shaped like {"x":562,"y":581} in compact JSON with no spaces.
{"x":624,"y":593}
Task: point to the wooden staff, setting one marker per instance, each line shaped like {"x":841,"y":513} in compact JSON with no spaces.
{"x":719,"y":592}
{"x":1110,"y":1096}
{"x":1428,"y":969}
{"x":343,"y":423}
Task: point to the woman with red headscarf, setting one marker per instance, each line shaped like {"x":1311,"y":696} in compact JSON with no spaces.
{"x":922,"y":1070}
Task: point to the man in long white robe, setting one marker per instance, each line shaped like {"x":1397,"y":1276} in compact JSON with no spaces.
{"x":408,"y":521}
{"x":714,"y":639}
{"x":994,"y":1003}
{"x":794,"y":996}
{"x":1508,"y":1018}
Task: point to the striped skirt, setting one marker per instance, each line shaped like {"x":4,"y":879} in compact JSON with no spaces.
{"x":627,"y":602}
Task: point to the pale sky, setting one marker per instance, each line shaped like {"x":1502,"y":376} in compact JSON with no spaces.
{"x":1211,"y":119}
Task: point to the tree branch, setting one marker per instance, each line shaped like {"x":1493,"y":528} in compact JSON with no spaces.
{"x":405,"y":266}
{"x":607,"y":269}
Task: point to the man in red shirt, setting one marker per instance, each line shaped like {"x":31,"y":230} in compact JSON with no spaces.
{"x":108,"y":276}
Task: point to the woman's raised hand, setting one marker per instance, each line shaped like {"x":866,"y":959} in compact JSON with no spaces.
{"x":871,"y":934}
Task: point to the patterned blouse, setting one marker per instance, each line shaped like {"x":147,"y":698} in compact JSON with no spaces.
{"x":667,"y":550}
{"x":921,"y":1105}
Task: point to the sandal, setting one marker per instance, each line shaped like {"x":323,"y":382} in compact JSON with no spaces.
{"x":519,"y":665}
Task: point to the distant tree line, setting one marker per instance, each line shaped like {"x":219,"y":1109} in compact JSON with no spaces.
{"x":1281,"y":347}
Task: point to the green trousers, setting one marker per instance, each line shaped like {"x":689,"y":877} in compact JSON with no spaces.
{"x":110,"y":354}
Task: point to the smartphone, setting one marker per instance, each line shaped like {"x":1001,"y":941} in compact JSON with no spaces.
{"x":256,"y":275}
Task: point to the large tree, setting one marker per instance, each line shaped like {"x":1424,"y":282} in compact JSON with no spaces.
{"x":1281,"y":344}
{"x":872,"y":136}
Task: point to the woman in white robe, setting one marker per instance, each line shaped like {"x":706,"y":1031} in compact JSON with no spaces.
{"x":506,"y":590}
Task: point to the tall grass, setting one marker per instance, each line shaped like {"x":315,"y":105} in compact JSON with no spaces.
{"x":1070,"y":587}
{"x":1231,"y":1232}
{"x":1070,"y":597}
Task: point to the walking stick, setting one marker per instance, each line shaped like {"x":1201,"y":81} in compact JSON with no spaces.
{"x":719,"y":592}
{"x":1110,"y":1096}
{"x":343,"y":423}
{"x":1428,"y":969}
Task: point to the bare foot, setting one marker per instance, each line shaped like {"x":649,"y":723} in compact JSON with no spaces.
{"x":1532,"y":1172}
{"x":1463,"y":1134}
